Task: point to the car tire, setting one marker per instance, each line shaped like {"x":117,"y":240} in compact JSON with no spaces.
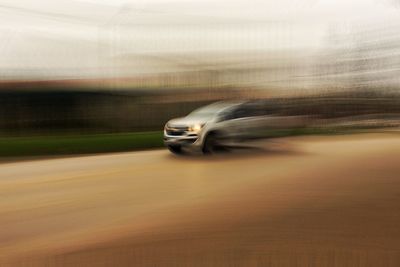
{"x":212,"y":144}
{"x":175,"y":149}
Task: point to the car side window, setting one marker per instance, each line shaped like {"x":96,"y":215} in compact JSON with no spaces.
{"x":240,"y":113}
{"x":246,"y":112}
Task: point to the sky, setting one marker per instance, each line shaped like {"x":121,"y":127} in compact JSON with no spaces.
{"x":94,"y":38}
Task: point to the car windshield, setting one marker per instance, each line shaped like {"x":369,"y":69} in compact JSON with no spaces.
{"x":211,"y":111}
{"x":203,"y":113}
{"x":207,"y":112}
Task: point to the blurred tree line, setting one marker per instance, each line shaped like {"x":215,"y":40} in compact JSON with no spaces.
{"x":62,"y":111}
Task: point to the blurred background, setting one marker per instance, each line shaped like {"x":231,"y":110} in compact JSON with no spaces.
{"x":94,"y":76}
{"x":105,"y":67}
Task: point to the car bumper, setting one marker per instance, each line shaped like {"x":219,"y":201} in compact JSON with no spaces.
{"x":183,"y":140}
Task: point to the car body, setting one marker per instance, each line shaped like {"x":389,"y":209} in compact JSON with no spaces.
{"x":221,"y":124}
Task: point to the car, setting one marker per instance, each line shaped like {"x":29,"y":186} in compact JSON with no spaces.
{"x":221,"y":125}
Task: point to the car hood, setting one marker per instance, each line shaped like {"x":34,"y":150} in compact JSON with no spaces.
{"x":185,"y":121}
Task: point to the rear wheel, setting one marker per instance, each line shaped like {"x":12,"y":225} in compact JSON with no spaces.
{"x":176,"y":149}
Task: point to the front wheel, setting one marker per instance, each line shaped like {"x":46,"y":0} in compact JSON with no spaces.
{"x":212,"y":144}
{"x":175,"y":149}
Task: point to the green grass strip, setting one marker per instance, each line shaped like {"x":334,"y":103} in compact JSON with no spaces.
{"x":79,"y":144}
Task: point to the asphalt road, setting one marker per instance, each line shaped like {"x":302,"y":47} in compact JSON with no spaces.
{"x":311,"y":201}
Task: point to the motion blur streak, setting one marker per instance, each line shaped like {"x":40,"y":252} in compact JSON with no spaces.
{"x":111,"y":76}
{"x":309,"y":201}
{"x":296,"y":44}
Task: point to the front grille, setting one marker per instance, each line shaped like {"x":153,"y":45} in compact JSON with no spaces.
{"x":175,"y":133}
{"x":177,"y":130}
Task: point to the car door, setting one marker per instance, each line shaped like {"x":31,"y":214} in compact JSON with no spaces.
{"x":243,"y":123}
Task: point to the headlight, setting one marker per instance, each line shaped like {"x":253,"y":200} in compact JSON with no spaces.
{"x":196,"y":127}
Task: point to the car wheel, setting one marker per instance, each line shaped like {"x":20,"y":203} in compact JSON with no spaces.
{"x":212,"y":144}
{"x":175,"y":149}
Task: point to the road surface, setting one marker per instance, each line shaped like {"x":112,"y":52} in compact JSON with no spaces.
{"x":309,"y":201}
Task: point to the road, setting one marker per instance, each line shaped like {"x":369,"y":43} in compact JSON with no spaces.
{"x":305,"y":201}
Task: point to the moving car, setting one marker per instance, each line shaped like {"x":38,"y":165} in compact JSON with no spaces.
{"x":223,"y":124}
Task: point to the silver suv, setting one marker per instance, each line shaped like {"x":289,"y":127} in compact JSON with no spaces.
{"x":223,"y":124}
